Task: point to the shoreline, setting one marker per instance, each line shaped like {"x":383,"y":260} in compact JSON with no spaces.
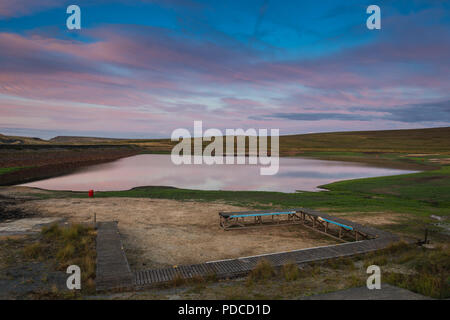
{"x":30,"y":173}
{"x":415,"y":149}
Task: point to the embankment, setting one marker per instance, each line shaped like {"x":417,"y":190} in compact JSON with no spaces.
{"x":36,"y":162}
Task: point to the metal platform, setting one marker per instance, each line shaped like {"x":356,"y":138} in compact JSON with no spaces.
{"x":337,"y":228}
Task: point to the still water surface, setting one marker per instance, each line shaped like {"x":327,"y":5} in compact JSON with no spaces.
{"x":157,"y":170}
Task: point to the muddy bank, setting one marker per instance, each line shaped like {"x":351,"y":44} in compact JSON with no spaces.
{"x":10,"y":209}
{"x":40,"y":162}
{"x":18,"y":219}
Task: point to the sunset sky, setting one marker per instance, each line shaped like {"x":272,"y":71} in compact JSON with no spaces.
{"x":140,"y":69}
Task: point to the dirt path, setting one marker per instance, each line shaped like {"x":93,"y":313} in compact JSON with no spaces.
{"x":159,"y":233}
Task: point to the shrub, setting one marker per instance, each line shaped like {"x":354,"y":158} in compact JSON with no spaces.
{"x":66,"y":252}
{"x":315,"y":270}
{"x":211,"y":277}
{"x":178,"y":280}
{"x":355,"y":281}
{"x":51,"y":232}
{"x":262,"y":271}
{"x":378,"y":261}
{"x":396,"y":247}
{"x":426,"y":284}
{"x":341,"y":262}
{"x":406,"y":256}
{"x":33,"y":250}
{"x":197,"y":279}
{"x":290,"y":271}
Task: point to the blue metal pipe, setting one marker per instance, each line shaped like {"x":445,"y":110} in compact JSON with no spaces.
{"x":337,"y":223}
{"x":260,"y":214}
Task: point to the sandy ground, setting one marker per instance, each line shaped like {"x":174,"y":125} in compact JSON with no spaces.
{"x":159,"y":233}
{"x":372,"y":218}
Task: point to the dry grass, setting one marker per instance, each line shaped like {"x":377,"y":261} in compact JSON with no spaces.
{"x":263,"y":270}
{"x":424,"y":271}
{"x":33,"y":251}
{"x":290,"y":271}
{"x":428,"y":269}
{"x":63,"y":246}
{"x":178,"y":280}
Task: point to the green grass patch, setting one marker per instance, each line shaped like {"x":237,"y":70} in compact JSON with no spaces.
{"x":10,"y":169}
{"x":429,"y":187}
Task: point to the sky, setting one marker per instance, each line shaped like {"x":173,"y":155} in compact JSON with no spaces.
{"x":141,"y":69}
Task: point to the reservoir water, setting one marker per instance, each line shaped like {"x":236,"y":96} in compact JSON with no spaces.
{"x":158,"y":170}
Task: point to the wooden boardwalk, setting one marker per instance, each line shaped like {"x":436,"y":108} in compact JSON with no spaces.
{"x":232,"y":268}
{"x":113,"y":270}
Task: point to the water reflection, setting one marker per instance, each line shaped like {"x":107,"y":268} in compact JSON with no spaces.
{"x":158,"y":170}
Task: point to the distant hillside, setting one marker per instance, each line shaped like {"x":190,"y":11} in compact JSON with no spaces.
{"x":20,"y":140}
{"x":82,"y":140}
{"x":59,"y":140}
{"x":432,"y":140}
{"x":411,"y":140}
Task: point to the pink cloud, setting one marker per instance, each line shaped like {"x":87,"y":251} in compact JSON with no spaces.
{"x":17,"y":8}
{"x":149,"y":79}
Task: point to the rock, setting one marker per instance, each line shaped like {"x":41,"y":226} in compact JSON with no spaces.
{"x":437,"y":217}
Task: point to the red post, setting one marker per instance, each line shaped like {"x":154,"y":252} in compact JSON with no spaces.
{"x":91,"y":195}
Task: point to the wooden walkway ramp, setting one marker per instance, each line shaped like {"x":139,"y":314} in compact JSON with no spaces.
{"x":231,"y":268}
{"x":113,"y":271}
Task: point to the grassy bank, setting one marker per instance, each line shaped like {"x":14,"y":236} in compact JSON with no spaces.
{"x":430,"y":188}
